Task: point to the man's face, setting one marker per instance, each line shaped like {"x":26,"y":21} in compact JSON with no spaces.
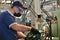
{"x":18,"y":11}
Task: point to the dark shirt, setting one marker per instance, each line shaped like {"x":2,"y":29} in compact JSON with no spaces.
{"x":6,"y":33}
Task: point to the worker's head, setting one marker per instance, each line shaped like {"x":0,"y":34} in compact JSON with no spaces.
{"x":17,"y":8}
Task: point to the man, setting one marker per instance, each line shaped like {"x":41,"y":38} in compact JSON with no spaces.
{"x":8,"y":27}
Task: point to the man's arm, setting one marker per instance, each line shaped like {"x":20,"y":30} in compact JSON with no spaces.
{"x":20,"y":27}
{"x":20,"y":34}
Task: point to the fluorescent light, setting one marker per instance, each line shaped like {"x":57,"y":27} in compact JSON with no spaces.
{"x":3,"y":2}
{"x":8,"y":1}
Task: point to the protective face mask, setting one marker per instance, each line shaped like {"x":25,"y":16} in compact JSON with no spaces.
{"x":17,"y":14}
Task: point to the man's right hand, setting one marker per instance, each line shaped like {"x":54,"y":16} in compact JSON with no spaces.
{"x":35,"y":31}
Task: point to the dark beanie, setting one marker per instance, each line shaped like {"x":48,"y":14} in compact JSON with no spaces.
{"x":17,"y":3}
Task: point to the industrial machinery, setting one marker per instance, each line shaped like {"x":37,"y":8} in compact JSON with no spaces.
{"x":46,"y":18}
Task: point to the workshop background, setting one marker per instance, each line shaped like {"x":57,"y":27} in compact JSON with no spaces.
{"x":5,"y":5}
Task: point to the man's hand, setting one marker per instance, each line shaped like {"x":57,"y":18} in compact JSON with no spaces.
{"x":35,"y":31}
